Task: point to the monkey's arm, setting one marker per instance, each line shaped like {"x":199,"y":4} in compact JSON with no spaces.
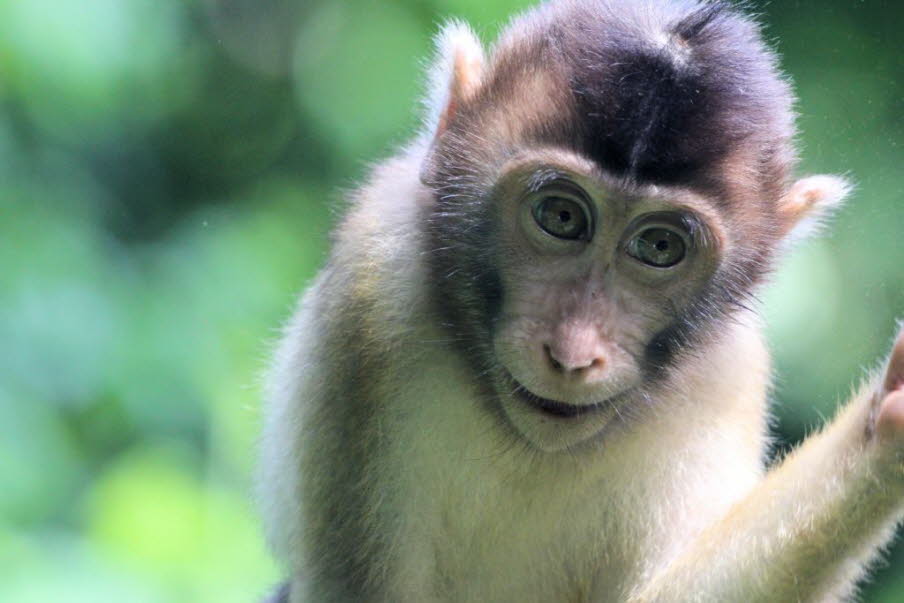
{"x":807,"y":530}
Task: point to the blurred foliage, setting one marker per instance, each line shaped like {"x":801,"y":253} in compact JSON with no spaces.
{"x":167,"y":173}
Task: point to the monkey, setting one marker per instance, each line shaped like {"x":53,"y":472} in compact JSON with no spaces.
{"x":533,"y":367}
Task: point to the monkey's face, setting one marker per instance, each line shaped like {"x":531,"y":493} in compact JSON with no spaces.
{"x":591,"y":273}
{"x":602,"y":204}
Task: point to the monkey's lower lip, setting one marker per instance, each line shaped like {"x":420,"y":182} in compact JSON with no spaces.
{"x":554,"y":408}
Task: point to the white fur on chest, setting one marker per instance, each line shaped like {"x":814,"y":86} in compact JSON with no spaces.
{"x":488,"y":518}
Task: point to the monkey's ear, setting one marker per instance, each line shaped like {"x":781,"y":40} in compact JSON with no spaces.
{"x":810,"y":201}
{"x":455,"y":75}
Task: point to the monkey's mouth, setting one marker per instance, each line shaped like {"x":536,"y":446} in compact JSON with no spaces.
{"x":552,"y":408}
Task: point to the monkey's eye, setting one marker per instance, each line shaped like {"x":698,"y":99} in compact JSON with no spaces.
{"x":658,"y":247}
{"x":563,"y":218}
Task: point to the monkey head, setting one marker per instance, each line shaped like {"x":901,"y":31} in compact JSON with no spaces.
{"x":603,"y":198}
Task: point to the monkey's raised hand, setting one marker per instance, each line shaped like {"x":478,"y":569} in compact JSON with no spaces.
{"x":805,"y":532}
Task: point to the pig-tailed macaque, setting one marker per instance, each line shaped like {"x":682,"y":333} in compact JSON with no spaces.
{"x":533,"y":368}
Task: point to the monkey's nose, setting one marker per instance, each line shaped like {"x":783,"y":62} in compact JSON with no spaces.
{"x":575,"y":363}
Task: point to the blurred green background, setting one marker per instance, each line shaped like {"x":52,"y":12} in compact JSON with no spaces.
{"x":168,"y":173}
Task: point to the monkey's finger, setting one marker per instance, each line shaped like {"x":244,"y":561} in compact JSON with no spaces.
{"x":894,"y":374}
{"x":890,"y":423}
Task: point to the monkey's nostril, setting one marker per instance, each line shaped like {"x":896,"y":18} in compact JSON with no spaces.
{"x":556,"y":365}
